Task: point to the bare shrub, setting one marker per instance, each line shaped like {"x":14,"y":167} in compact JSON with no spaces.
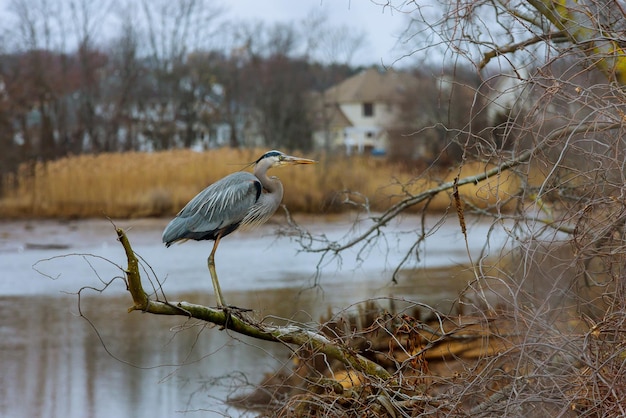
{"x":554,"y":94}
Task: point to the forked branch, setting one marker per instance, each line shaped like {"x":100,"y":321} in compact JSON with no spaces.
{"x":290,"y":334}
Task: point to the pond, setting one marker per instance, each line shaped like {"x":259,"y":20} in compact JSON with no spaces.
{"x":84,"y":356}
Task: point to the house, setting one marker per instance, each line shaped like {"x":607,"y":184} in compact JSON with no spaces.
{"x":356,"y":114}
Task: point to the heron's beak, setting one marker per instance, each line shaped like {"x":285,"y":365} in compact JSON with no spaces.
{"x":288,"y":159}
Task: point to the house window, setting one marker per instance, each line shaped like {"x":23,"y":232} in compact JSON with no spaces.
{"x":368,"y":109}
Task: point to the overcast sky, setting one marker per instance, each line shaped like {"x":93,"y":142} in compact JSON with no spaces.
{"x":382,"y":25}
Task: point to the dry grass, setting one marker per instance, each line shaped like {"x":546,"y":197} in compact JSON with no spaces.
{"x":158,"y":184}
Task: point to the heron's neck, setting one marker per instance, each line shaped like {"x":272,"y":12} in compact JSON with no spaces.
{"x":271,"y":184}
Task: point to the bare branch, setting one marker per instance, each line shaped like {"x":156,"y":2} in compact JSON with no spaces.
{"x":488,"y":56}
{"x":410,"y":201}
{"x":235,"y":321}
{"x":582,"y":23}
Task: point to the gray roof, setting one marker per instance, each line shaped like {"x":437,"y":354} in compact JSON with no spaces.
{"x":370,"y":85}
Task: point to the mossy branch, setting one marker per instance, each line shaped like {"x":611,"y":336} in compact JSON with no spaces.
{"x":578,"y":22}
{"x":290,"y":334}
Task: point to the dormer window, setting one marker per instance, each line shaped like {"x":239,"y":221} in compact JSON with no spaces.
{"x":368,"y":110}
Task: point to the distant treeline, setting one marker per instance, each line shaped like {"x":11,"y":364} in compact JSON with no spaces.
{"x":158,"y":82}
{"x":57,"y":104}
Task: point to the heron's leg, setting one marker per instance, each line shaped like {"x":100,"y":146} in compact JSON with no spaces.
{"x":216,"y":283}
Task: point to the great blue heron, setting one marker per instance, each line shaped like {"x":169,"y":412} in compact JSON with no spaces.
{"x":238,"y":200}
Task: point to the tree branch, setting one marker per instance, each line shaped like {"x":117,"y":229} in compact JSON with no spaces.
{"x":398,"y":208}
{"x":234,"y":321}
{"x":488,"y":56}
{"x":582,"y":26}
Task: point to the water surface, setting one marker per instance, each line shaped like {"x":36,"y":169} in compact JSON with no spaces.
{"x":62,"y":355}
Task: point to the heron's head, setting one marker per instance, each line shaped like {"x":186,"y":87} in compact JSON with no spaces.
{"x":278,"y":159}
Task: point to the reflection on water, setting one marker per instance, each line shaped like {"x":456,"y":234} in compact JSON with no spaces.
{"x":116,"y":364}
{"x":56,"y":365}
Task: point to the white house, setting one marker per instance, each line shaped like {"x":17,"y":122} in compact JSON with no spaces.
{"x":356,"y":113}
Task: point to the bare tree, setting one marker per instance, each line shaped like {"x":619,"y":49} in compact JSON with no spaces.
{"x":87,"y":18}
{"x":174,"y":30}
{"x":439,"y":105}
{"x":562,"y":136}
{"x":42,"y":70}
{"x":331,"y":44}
{"x":125,"y":88}
{"x":266,"y":82}
{"x":281,"y":88}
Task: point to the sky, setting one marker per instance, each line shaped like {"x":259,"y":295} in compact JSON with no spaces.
{"x":382,"y":25}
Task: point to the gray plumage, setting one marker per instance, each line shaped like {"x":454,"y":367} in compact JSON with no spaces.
{"x":238,"y":200}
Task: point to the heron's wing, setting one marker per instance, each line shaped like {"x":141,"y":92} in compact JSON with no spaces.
{"x":223,"y":204}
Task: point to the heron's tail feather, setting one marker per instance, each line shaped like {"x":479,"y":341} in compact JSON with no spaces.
{"x":174,"y":231}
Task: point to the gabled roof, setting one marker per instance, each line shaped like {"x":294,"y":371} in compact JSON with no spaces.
{"x":338,"y":118}
{"x":328,"y":114}
{"x":370,"y":85}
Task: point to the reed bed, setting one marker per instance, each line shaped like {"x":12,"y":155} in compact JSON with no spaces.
{"x":134,"y":184}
